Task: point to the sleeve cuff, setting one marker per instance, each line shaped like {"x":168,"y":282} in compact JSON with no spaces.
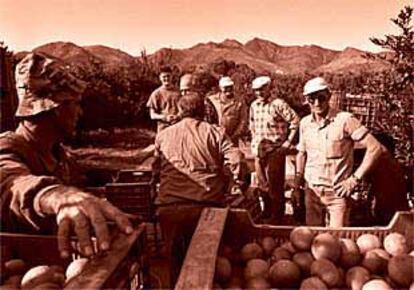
{"x":36,"y":200}
{"x":359,"y":133}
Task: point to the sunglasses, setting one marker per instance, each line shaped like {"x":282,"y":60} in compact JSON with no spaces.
{"x":320,"y":97}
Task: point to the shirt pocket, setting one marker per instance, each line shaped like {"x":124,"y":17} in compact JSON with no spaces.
{"x":334,"y":149}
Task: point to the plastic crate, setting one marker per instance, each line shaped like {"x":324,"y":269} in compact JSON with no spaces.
{"x":124,"y":266}
{"x":198,"y":268}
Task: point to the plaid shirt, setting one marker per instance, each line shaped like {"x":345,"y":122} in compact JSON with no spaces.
{"x":264,"y":114}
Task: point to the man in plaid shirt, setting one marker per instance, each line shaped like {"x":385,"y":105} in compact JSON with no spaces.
{"x":270,"y":121}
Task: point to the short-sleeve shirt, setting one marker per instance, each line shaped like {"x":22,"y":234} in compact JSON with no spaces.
{"x":329,"y":147}
{"x":164,"y":101}
{"x":232,"y":114}
{"x":263,"y":118}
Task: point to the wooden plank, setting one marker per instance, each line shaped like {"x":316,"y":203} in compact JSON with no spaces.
{"x":198,"y":268}
{"x":102,"y":266}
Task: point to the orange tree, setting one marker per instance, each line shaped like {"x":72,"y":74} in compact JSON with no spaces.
{"x":396,"y":86}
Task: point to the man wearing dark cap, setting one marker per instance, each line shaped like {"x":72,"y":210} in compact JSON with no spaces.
{"x":190,"y":158}
{"x":35,"y":175}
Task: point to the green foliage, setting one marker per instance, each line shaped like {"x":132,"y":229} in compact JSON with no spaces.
{"x":396,"y":87}
{"x":115,"y":97}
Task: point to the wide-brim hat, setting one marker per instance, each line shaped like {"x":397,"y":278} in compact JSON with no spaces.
{"x":43,"y":83}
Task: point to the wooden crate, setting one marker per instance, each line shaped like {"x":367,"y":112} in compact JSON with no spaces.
{"x":124,"y":266}
{"x":235,"y":227}
{"x":241,"y":202}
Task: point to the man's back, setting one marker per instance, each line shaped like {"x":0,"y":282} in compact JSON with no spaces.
{"x":192,"y":156}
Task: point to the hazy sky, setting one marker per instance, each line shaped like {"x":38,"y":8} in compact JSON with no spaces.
{"x":132,"y":25}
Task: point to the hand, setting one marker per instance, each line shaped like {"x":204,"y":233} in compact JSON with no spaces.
{"x":172,"y":118}
{"x":296,"y":198}
{"x":251,"y":193}
{"x":286,"y":145}
{"x":235,"y":190}
{"x":346,"y":187}
{"x":298,"y":181}
{"x":79,"y":211}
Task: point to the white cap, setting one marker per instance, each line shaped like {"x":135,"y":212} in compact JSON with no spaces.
{"x":315,"y":85}
{"x":226,"y":82}
{"x":260,"y":82}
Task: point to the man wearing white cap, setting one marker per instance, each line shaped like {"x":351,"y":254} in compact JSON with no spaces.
{"x":325,"y":158}
{"x":273,"y":124}
{"x":231,"y":111}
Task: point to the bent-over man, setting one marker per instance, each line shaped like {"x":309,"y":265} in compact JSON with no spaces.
{"x":35,"y":175}
{"x":190,"y":159}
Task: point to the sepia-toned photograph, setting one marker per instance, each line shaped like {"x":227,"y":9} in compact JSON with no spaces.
{"x":212,"y":144}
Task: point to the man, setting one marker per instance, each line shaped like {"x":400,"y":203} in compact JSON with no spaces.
{"x":190,"y":157}
{"x":162,"y":103}
{"x":188,"y":84}
{"x":273,"y":125}
{"x":35,"y":190}
{"x":232,"y":112}
{"x":325,"y":158}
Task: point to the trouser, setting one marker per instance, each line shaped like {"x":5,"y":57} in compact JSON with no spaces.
{"x":270,"y":173}
{"x":325,"y":208}
{"x":178,"y":223}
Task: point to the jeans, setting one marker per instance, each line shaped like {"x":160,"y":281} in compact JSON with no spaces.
{"x":270,"y":173}
{"x":323,"y":207}
{"x":178,"y":223}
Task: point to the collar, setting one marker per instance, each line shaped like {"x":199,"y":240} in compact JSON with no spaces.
{"x":263,"y":101}
{"x":328,"y":118}
{"x":48,"y":159}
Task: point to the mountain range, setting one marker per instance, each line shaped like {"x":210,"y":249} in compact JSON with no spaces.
{"x":261,"y":55}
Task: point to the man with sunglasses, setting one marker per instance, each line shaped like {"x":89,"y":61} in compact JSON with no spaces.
{"x":325,"y":158}
{"x":273,"y":125}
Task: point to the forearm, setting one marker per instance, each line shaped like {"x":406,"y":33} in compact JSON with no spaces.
{"x":156,"y":116}
{"x":372,"y":154}
{"x":49,"y":201}
{"x":300,"y":163}
{"x":292,"y":134}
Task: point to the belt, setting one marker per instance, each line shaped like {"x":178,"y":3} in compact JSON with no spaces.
{"x":321,"y":190}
